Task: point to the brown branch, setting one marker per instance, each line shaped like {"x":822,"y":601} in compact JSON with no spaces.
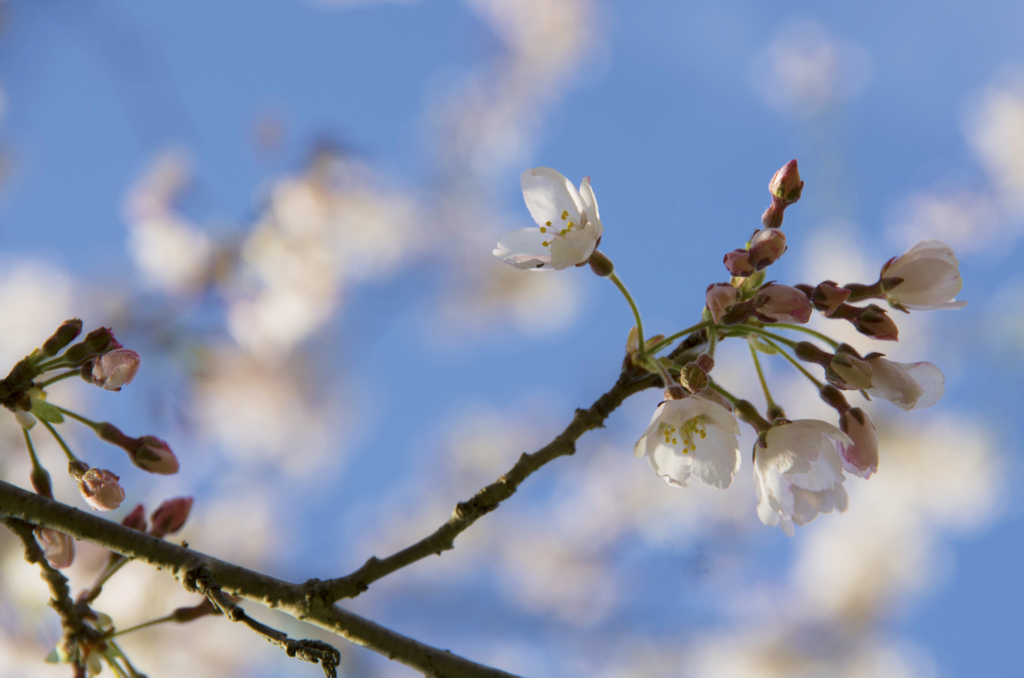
{"x":290,"y":598}
{"x":631,"y":381}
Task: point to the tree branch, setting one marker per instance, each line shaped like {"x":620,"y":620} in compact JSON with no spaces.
{"x":183,"y":563}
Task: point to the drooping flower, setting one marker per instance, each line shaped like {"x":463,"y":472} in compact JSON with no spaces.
{"x":861,"y":456}
{"x":115,"y":369}
{"x":784,"y":304}
{"x":100,"y":489}
{"x":720,"y":298}
{"x":799,"y":473}
{"x":58,"y":548}
{"x":692,"y":437}
{"x":930,"y":278}
{"x":568,"y":220}
{"x":911,"y":386}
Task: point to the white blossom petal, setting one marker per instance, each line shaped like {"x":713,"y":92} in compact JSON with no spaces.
{"x":523,"y":249}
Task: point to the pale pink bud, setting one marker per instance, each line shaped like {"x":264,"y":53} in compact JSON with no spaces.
{"x":58,"y":548}
{"x":875,"y":322}
{"x":828,"y":296}
{"x":925,"y":277}
{"x":786,"y":185}
{"x":155,"y":456}
{"x":100,"y":489}
{"x":136,"y":519}
{"x":720,"y":297}
{"x":170,"y":516}
{"x":115,"y":369}
{"x":738,"y":263}
{"x":784,"y":304}
{"x":860,"y":458}
{"x":766,"y":247}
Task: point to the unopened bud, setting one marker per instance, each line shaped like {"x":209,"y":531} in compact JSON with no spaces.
{"x":738,"y":263}
{"x":828,"y":296}
{"x":781,"y":303}
{"x":694,"y":377}
{"x":155,"y":456}
{"x":766,"y":247}
{"x":720,"y":297}
{"x":786,"y":185}
{"x":41,"y":482}
{"x":115,"y":369}
{"x":170,"y":516}
{"x":58,"y":548}
{"x":600,"y":264}
{"x":187,"y":614}
{"x":26,"y":419}
{"x":65,"y":334}
{"x":136,"y":520}
{"x":873,"y":321}
{"x":95,"y":344}
{"x":100,"y":489}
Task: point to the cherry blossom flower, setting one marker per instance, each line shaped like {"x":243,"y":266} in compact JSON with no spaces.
{"x":692,"y":437}
{"x":861,"y":456}
{"x":911,"y":386}
{"x":115,"y":369}
{"x":569,"y":224}
{"x":799,"y":473}
{"x":100,"y":489}
{"x":58,"y":548}
{"x":930,"y":276}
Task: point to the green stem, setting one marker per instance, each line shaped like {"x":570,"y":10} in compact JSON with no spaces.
{"x":681,"y":333}
{"x":750,"y":329}
{"x":760,"y":375}
{"x":725,"y":394}
{"x":36,"y":466}
{"x":60,"y":441}
{"x":666,"y":378}
{"x":807,"y":330}
{"x":85,"y":420}
{"x":796,"y":363}
{"x":138,"y":627}
{"x":115,"y":667}
{"x":712,"y":340}
{"x":132,"y":673}
{"x":72,"y":373}
{"x":115,"y":563}
{"x":51,"y":365}
{"x":636,"y":312}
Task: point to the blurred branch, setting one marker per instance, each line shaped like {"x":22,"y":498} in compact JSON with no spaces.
{"x":630,"y":382}
{"x":183,"y":564}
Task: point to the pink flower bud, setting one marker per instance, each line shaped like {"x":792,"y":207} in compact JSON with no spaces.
{"x":58,"y":548}
{"x":100,"y":489}
{"x":860,"y":458}
{"x":115,"y":369}
{"x":875,"y":322}
{"x":925,"y":277}
{"x":766,"y":247}
{"x":827,"y":297}
{"x":720,"y":298}
{"x":155,"y":456}
{"x":170,"y":516}
{"x":136,"y":519}
{"x":786,"y":185}
{"x":738,"y":263}
{"x":781,"y":303}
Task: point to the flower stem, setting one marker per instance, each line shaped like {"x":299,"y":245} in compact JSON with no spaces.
{"x":36,"y":466}
{"x":807,"y":330}
{"x":65,"y":375}
{"x":636,"y":312}
{"x":725,"y":394}
{"x":681,"y":333}
{"x":796,"y":363}
{"x":750,"y":329}
{"x":143,"y":625}
{"x":60,"y":441}
{"x":764,"y":383}
{"x":88,"y":422}
{"x":712,"y":340}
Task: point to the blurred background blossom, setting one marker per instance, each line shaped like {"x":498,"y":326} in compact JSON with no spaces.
{"x":290,"y":213}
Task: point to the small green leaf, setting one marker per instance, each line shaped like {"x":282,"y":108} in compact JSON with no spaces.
{"x":47,"y":412}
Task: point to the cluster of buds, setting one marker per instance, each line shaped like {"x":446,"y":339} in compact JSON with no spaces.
{"x":799,"y":466}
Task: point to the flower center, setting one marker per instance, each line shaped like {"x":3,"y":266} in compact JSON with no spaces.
{"x":561,"y":233}
{"x":691,"y":427}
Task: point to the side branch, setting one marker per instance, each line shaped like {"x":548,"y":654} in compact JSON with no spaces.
{"x":184,"y":563}
{"x":489,"y":498}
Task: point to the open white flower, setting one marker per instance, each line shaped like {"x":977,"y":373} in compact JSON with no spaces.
{"x":931,"y":278}
{"x":799,"y":474}
{"x":912,"y":386}
{"x":692,"y":437}
{"x":569,"y":227}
